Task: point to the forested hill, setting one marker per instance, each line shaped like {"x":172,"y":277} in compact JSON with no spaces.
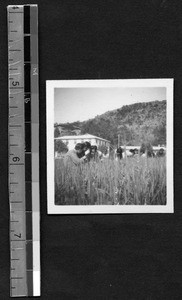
{"x":136,"y":123}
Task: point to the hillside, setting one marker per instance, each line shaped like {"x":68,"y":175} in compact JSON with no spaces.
{"x":136,"y":123}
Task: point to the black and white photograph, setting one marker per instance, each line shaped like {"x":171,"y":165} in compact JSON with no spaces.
{"x":110,"y":146}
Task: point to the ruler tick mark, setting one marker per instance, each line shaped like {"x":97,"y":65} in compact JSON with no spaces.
{"x":17,"y":240}
{"x":14,"y":74}
{"x":20,"y":164}
{"x":15,"y":12}
{"x":19,"y":248}
{"x":16,"y":87}
{"x":15,"y":63}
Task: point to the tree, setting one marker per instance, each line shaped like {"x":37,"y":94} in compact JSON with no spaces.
{"x":56,"y":132}
{"x":59,"y":146}
{"x":125,"y":133}
{"x":160,"y":134}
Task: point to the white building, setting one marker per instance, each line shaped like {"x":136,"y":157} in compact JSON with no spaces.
{"x":71,"y":140}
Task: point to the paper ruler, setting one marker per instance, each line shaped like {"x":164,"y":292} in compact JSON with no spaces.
{"x":23,"y":150}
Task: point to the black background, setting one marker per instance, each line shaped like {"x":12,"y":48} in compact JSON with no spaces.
{"x":101,"y":256}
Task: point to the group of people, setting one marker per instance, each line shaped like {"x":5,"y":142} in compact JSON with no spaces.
{"x":121,"y":153}
{"x":83,"y":152}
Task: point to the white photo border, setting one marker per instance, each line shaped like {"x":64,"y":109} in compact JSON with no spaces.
{"x":107,"y":209}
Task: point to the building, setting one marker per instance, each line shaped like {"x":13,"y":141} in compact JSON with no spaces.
{"x":72,"y":140}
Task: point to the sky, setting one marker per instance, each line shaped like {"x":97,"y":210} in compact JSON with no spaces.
{"x":80,"y":104}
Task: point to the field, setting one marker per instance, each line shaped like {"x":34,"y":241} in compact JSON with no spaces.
{"x":127,"y":182}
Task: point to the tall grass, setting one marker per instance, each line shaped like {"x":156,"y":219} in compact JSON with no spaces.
{"x":127,"y":182}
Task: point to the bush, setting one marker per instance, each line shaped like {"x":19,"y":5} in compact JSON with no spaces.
{"x":59,"y":146}
{"x":103,"y":149}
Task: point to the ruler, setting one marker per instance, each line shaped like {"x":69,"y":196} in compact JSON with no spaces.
{"x":23,"y":150}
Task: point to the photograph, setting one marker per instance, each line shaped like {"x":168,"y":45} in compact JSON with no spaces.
{"x":110,"y":146}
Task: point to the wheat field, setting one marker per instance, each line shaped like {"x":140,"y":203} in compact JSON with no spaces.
{"x":130,"y":181}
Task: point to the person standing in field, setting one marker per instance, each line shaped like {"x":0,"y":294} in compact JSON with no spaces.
{"x":96,"y":155}
{"x":106,"y":154}
{"x":86,"y":151}
{"x":72,"y":156}
{"x":119,"y":153}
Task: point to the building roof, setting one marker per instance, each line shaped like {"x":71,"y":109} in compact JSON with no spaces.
{"x":78,"y":137}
